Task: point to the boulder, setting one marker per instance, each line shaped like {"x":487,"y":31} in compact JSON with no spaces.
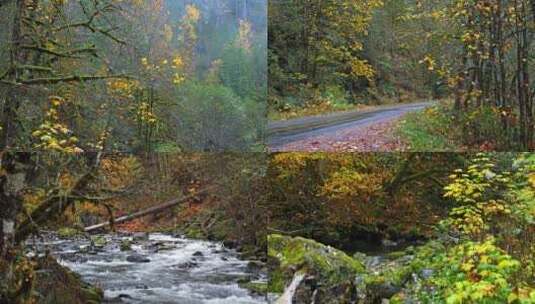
{"x":126,"y":245}
{"x":328,"y":272}
{"x":137,"y":258}
{"x":187,"y":265}
{"x":140,"y":236}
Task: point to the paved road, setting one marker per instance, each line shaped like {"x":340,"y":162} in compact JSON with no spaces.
{"x":281,"y":133}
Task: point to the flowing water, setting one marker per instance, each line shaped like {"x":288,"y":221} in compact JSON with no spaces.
{"x":160,"y":269}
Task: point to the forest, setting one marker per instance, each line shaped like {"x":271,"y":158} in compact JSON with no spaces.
{"x":201,"y":238}
{"x":133,"y":76}
{"x":474,"y":58}
{"x":401,"y":228}
{"x":278,"y":228}
{"x":255,"y":151}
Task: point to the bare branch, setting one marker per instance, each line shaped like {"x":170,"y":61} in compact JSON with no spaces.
{"x":72,"y":78}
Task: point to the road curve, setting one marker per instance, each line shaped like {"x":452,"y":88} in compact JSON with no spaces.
{"x":281,"y":133}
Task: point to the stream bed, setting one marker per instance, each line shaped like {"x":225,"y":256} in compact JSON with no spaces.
{"x":158,"y":268}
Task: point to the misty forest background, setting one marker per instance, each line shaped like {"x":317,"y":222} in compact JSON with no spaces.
{"x":136,"y":76}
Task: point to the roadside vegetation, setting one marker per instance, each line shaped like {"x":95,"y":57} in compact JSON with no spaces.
{"x":322,"y":61}
{"x":478,"y":54}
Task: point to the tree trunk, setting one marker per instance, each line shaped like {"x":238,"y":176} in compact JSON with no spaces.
{"x":9,"y":121}
{"x":12,"y":183}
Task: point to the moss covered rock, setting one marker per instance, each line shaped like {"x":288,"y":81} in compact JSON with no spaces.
{"x":68,"y":233}
{"x":56,"y":284}
{"x":258,"y":288}
{"x":330,"y":273}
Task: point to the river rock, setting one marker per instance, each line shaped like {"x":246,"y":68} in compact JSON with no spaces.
{"x":218,"y":251}
{"x":198,"y":254}
{"x":329,"y":272}
{"x":187,"y":265}
{"x":389,"y":243}
{"x":230,"y":244}
{"x":383,"y":290}
{"x":427,"y":273}
{"x":256,"y":267}
{"x":137,"y":258}
{"x":98,"y":241}
{"x":74,"y":258}
{"x":126,"y":245}
{"x":140,"y":236}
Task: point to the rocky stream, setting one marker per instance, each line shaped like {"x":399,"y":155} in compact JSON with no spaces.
{"x":157,"y":268}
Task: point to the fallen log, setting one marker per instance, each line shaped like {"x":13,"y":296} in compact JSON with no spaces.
{"x":147,"y":211}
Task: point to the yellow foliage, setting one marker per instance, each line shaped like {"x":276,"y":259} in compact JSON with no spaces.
{"x":52,"y":134}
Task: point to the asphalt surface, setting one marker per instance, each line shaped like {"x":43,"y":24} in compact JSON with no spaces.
{"x":281,"y":133}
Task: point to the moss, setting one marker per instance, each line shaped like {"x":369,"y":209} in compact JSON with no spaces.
{"x":396,"y":255}
{"x":98,"y":240}
{"x":126,"y":245}
{"x":309,"y":254}
{"x":68,"y":233}
{"x":332,"y":267}
{"x":260,"y":288}
{"x":57,"y":284}
{"x":277,"y":281}
{"x":194,"y":232}
{"x":220,"y":230}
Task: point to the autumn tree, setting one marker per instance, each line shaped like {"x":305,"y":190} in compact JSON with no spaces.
{"x":47,"y":48}
{"x":317,"y":43}
{"x":45,"y":52}
{"x":492,"y":41}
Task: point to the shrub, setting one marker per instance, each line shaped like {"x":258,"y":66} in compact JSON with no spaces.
{"x":213,"y":118}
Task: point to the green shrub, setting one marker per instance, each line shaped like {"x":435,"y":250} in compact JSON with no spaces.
{"x":476,"y":272}
{"x":212,"y":117}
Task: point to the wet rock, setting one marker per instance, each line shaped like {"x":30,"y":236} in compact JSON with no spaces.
{"x":140,"y":236}
{"x":122,"y":298}
{"x":126,"y":245}
{"x":137,"y":258}
{"x":84,"y":248}
{"x":256,"y":267}
{"x":198,"y":254}
{"x":159,"y":246}
{"x":98,"y":241}
{"x":187,"y":265}
{"x":427,"y":273}
{"x":230,"y":244}
{"x":219,"y":251}
{"x":383,"y":290}
{"x":68,"y":233}
{"x":329,"y":272}
{"x":258,"y":288}
{"x":56,"y":284}
{"x":74,"y":258}
{"x":389,"y":243}
{"x":224,"y":258}
{"x":166,"y":247}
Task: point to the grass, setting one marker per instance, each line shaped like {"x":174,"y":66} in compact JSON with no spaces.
{"x":430,"y":130}
{"x":317,"y":109}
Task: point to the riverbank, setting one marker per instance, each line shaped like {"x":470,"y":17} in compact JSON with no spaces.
{"x":439,"y":271}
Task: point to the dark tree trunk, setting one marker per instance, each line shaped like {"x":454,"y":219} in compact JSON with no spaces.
{"x":12,"y":183}
{"x":9,"y":121}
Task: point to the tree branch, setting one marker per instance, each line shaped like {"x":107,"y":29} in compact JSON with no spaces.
{"x":72,"y":78}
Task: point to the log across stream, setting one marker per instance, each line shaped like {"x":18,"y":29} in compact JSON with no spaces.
{"x":157,"y":268}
